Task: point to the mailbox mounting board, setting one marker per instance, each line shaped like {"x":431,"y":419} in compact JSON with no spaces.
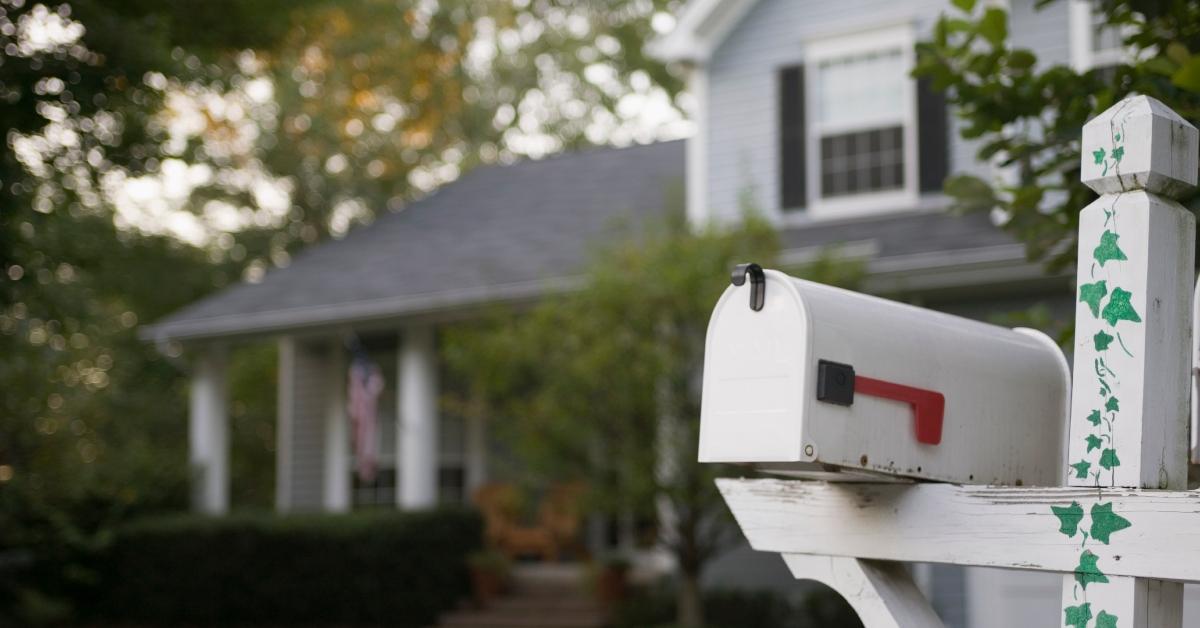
{"x":930,"y":395}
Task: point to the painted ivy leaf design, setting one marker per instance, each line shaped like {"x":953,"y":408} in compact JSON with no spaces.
{"x":1093,"y":442}
{"x":1094,"y":418}
{"x":1109,"y":459}
{"x":1079,"y":616}
{"x":1098,"y":154}
{"x":1104,"y":620}
{"x":1092,"y":294}
{"x":1118,"y":153}
{"x":1068,"y":518}
{"x":1108,"y":249}
{"x":1112,"y":405}
{"x":1105,"y":522}
{"x":1102,"y":340}
{"x":1119,"y":308}
{"x":1087,"y":572}
{"x":1081,"y":469}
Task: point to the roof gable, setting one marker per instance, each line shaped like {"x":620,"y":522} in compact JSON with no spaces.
{"x":700,"y":28}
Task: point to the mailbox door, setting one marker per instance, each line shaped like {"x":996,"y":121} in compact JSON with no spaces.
{"x":754,"y":377}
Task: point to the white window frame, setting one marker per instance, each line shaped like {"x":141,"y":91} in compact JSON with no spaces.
{"x":1083,"y":57}
{"x":817,"y":50}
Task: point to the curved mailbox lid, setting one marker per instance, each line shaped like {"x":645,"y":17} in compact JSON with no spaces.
{"x":754,"y":376}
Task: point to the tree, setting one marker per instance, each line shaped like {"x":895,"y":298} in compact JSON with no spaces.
{"x":602,"y":384}
{"x":1027,"y":117}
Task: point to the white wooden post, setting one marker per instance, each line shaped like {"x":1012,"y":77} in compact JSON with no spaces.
{"x":1129,"y":410}
{"x":418,"y":419}
{"x":883,"y":594}
{"x":208,"y":431}
{"x":336,"y":494}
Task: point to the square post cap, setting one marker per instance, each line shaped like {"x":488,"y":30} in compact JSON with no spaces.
{"x":1139,"y":144}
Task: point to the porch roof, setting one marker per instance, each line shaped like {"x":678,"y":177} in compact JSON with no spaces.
{"x":512,"y":233}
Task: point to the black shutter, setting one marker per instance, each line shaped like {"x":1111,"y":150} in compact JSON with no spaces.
{"x":933,"y":144}
{"x":792,"y":173}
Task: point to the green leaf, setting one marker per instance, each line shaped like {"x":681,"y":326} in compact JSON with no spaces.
{"x":1109,"y":459}
{"x":1098,"y":154}
{"x":1021,"y":59}
{"x":994,"y":26}
{"x":1188,"y":74}
{"x":1078,"y":616}
{"x":1094,"y":417}
{"x":1092,"y":294}
{"x":1118,"y":152}
{"x":1102,"y":340}
{"x":1087,"y":572}
{"x":1119,"y":308}
{"x":1104,"y":620}
{"x":1081,"y":469}
{"x":1105,"y":522}
{"x":1108,"y":249}
{"x":1094,"y":442}
{"x":1068,"y":518}
{"x":1112,"y":405}
{"x":966,"y":6}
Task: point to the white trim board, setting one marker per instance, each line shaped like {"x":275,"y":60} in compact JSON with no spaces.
{"x":1012,"y":528}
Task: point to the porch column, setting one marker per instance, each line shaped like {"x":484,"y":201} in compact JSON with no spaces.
{"x":208,"y":431}
{"x":336,"y":495}
{"x":417,"y":432}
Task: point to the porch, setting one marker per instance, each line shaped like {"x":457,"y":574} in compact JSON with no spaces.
{"x":426,"y":457}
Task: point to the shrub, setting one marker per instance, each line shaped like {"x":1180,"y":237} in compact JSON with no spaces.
{"x":732,"y":608}
{"x":399,"y":569}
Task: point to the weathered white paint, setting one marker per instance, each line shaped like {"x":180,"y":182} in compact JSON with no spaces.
{"x":883,"y":594}
{"x":1146,"y":361}
{"x":1006,"y":392}
{"x":417,"y":428}
{"x":1195,"y":375}
{"x":337,"y":434}
{"x":208,"y":430}
{"x":1132,"y":329}
{"x":1012,"y":528}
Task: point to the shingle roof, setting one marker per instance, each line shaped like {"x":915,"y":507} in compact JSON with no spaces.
{"x":498,"y":232}
{"x":513,"y":232}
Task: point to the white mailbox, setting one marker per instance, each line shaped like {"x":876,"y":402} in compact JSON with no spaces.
{"x":805,"y":378}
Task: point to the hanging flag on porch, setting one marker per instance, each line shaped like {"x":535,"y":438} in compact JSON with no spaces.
{"x":362,"y":397}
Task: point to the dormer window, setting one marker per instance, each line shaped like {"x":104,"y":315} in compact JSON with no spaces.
{"x":859,"y":123}
{"x":859,"y":135}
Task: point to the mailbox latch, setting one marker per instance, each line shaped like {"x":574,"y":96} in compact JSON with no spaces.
{"x":758,"y":283}
{"x":837,"y":383}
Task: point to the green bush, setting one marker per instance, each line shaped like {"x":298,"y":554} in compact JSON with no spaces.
{"x":732,"y":608}
{"x":373,"y":568}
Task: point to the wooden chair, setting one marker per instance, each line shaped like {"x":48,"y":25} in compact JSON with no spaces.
{"x":503,"y":531}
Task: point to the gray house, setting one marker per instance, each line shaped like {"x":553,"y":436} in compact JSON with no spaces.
{"x":805,"y":108}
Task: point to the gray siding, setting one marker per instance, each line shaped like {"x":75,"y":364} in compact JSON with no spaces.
{"x":742,"y":102}
{"x":303,"y":399}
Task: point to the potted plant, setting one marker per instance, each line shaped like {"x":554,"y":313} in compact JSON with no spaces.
{"x":490,"y":572}
{"x":612,"y":578}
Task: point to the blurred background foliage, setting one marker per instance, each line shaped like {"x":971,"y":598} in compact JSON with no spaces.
{"x":158,"y":150}
{"x":1026,"y":116}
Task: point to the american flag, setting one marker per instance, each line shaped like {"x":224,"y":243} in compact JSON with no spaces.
{"x":362,"y":399}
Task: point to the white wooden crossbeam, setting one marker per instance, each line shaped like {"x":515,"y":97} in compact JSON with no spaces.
{"x":1014,"y":528}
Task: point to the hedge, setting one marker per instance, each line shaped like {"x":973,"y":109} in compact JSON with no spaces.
{"x":398,"y":569}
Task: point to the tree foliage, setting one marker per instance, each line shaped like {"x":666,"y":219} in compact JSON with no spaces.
{"x":1026,"y":116}
{"x":602,"y":384}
